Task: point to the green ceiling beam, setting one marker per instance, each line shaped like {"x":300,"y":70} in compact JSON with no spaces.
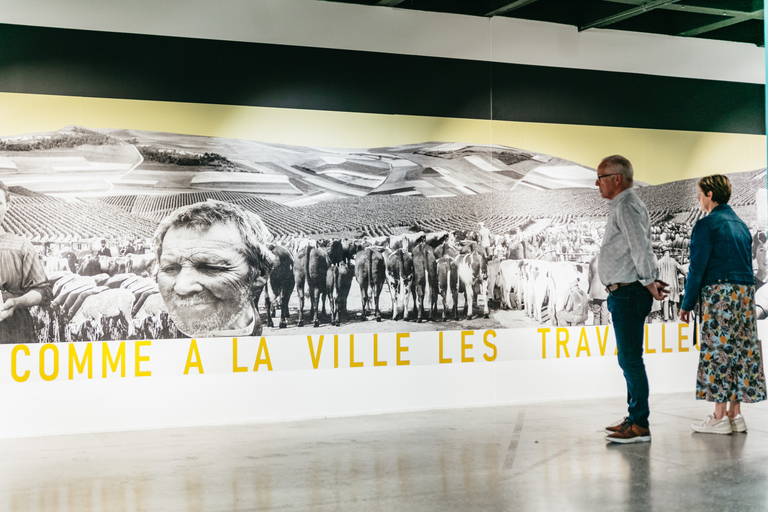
{"x":692,"y":8}
{"x":757,"y":15}
{"x":512,"y":6}
{"x":629,"y":13}
{"x":390,"y":3}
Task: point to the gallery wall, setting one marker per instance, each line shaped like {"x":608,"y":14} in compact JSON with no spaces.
{"x":320,"y":74}
{"x":304,"y":82}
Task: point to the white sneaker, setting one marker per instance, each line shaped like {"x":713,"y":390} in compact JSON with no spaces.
{"x":712,"y":426}
{"x":738,"y":424}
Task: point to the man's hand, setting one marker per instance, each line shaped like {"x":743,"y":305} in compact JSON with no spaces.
{"x":7,"y":309}
{"x":658,"y":289}
{"x":685,"y":316}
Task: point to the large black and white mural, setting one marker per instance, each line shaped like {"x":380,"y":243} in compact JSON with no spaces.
{"x":331,"y":190}
{"x":424,"y":236}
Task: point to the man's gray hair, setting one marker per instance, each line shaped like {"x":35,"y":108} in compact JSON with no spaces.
{"x":621,"y":165}
{"x":202,"y":216}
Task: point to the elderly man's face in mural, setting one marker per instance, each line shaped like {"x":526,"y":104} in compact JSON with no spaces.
{"x":203,"y":279}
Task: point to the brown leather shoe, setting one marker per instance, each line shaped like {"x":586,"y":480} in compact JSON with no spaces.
{"x":630,"y":433}
{"x":610,"y":429}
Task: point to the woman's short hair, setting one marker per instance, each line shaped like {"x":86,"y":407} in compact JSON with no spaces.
{"x":6,"y":191}
{"x":719,"y":185}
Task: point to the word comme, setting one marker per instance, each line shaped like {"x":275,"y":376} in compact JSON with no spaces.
{"x":109,"y":362}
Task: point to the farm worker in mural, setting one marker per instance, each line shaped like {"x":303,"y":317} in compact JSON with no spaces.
{"x":211,"y":258}
{"x":576,"y":309}
{"x":23,"y":283}
{"x":669,"y":268}
{"x":484,"y":236}
{"x":720,"y":278}
{"x":627,"y":268}
{"x":103,"y":249}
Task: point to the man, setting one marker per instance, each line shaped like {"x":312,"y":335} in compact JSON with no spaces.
{"x":211,"y":257}
{"x":484,"y":237}
{"x":669,"y":268}
{"x":126,"y":247}
{"x":627,"y":268}
{"x":576,"y":308}
{"x":598,"y":295}
{"x":103,"y":249}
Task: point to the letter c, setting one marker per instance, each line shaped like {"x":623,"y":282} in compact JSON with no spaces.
{"x":14,"y":373}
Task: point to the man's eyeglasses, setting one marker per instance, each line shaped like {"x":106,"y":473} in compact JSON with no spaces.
{"x":599,"y":177}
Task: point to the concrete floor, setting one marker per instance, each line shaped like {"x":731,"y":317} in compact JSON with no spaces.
{"x":548,"y":457}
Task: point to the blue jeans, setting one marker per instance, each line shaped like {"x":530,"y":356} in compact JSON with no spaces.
{"x":629,"y":305}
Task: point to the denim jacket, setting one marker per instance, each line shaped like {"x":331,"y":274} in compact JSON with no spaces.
{"x":721,"y":252}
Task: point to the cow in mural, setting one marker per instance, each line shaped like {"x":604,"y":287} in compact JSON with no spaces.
{"x":406,"y":241}
{"x":535,"y":277}
{"x":509,"y":283}
{"x":447,"y":248}
{"x":279,"y":285}
{"x":370,"y":272}
{"x":89,"y":266}
{"x":562,"y":275}
{"x":473,"y":276}
{"x":424,"y":276}
{"x":504,"y":283}
{"x":448,"y":283}
{"x":311,"y":269}
{"x":338,"y":284}
{"x":400,"y":280}
{"x":142,"y":264}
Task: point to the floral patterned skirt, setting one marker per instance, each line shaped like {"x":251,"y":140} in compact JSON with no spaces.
{"x":730,"y":359}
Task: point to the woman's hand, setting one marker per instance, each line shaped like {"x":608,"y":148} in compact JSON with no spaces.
{"x":685,"y":316}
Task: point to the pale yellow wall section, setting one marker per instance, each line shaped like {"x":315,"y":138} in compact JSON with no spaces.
{"x":658,"y":155}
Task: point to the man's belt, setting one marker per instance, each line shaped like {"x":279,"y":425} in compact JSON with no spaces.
{"x":615,"y":286}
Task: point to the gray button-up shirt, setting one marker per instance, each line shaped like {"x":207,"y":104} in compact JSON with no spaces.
{"x":626,"y":255}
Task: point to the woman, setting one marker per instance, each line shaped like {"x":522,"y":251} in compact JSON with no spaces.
{"x":22,"y":282}
{"x":730,"y":363}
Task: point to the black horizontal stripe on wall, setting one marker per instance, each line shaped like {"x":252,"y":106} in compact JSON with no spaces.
{"x":129,"y":66}
{"x":578,"y":96}
{"x":68,"y":62}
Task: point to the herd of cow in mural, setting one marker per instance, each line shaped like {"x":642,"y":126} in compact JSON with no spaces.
{"x":434,"y":234}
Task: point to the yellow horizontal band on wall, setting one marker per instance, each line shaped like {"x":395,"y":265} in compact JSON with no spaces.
{"x":658,"y":155}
